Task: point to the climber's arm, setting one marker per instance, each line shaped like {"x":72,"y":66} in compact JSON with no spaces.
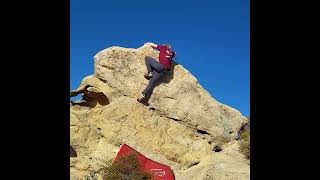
{"x":171,"y":55}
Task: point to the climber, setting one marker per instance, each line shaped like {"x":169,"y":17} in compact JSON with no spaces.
{"x":155,"y":68}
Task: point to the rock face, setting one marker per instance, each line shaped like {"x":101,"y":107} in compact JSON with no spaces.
{"x":180,"y":127}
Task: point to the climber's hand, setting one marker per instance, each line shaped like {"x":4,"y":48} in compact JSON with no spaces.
{"x":149,"y":43}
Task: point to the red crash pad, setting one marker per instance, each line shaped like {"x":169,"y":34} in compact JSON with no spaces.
{"x":159,"y":171}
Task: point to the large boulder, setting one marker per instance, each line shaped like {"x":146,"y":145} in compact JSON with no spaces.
{"x":181,"y":126}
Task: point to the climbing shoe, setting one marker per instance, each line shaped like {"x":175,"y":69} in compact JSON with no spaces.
{"x":141,"y":98}
{"x":148,"y":75}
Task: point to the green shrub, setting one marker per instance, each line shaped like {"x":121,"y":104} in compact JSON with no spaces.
{"x":125,"y":168}
{"x":245,"y":143}
{"x":91,"y":176}
{"x":245,"y":135}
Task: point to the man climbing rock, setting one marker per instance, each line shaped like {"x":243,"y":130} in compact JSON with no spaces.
{"x":155,"y":68}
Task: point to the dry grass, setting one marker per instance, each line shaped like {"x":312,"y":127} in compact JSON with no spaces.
{"x":174,"y":159}
{"x":220,"y":140}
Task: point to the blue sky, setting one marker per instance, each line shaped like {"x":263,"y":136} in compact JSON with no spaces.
{"x":211,"y":38}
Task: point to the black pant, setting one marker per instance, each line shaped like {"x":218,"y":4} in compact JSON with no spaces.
{"x":157,"y":70}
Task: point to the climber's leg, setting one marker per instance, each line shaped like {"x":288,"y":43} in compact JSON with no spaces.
{"x":152,"y":65}
{"x":155,"y":70}
{"x":155,"y":65}
{"x":156,"y":76}
{"x":148,"y":60}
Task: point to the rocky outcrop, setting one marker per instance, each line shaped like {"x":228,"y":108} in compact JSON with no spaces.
{"x":180,"y":127}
